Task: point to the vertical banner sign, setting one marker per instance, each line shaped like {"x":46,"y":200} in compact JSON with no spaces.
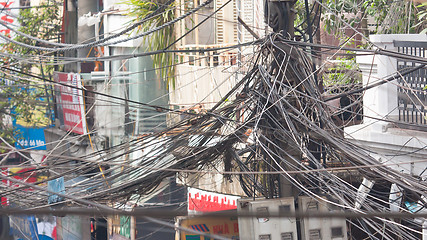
{"x":70,"y":102}
{"x":9,"y":8}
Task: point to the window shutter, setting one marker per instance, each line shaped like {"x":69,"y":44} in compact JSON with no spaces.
{"x":226,"y":20}
{"x":247,"y":15}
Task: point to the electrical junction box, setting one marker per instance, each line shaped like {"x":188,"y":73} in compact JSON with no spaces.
{"x":261,"y":228}
{"x":321,"y":228}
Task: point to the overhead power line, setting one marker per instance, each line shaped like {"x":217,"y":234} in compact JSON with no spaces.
{"x":170,"y":213}
{"x":153,"y":107}
{"x":103,"y":42}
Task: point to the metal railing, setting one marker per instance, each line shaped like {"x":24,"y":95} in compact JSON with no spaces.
{"x":207,"y":58}
{"x":411,"y":91}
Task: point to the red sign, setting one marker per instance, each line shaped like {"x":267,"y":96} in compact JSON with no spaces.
{"x":27,"y":175}
{"x":70,"y":102}
{"x":6,"y":13}
{"x":200,"y":201}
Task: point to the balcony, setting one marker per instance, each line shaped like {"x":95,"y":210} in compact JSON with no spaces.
{"x":208,"y":58}
{"x":394,"y":128}
{"x":203,"y":77}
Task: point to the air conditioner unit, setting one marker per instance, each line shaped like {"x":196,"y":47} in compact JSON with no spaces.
{"x":321,"y":228}
{"x":259,"y":227}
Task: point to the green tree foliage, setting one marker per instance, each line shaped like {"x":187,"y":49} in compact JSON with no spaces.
{"x":164,"y":63}
{"x":21,"y":96}
{"x":422,"y":18}
{"x":43,"y":23}
{"x":368,"y":17}
{"x":384,"y":16}
{"x":344,"y":72}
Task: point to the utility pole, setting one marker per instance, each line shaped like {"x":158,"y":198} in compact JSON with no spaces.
{"x":70,"y":32}
{"x":279,"y":15}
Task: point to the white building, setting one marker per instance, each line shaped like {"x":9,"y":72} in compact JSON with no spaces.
{"x":204,"y":77}
{"x":394,"y":128}
{"x":401,"y":144}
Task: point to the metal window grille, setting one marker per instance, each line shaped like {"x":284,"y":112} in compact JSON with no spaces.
{"x":287,"y":236}
{"x":312,"y":206}
{"x":265,"y":237}
{"x":337,"y":232}
{"x":314,"y":234}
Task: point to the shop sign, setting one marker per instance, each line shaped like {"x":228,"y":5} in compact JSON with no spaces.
{"x":224,"y":226}
{"x":70,"y":102}
{"x":200,"y":201}
{"x":29,"y":133}
{"x":28,"y":175}
{"x":29,"y":138}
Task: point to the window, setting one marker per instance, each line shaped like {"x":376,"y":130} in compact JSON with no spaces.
{"x":287,"y":236}
{"x":336,"y":232}
{"x":262,"y":213}
{"x":284,"y":209}
{"x":312,"y":206}
{"x":264,"y":237}
{"x":314,"y":234}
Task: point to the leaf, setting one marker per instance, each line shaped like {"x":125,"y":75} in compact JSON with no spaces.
{"x":422,"y":16}
{"x":158,"y":40}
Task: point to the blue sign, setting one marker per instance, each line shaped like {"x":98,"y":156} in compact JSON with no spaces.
{"x":23,"y":227}
{"x":31,"y":138}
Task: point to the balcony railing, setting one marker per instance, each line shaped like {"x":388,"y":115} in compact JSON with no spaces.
{"x":207,"y":58}
{"x":411,"y":91}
